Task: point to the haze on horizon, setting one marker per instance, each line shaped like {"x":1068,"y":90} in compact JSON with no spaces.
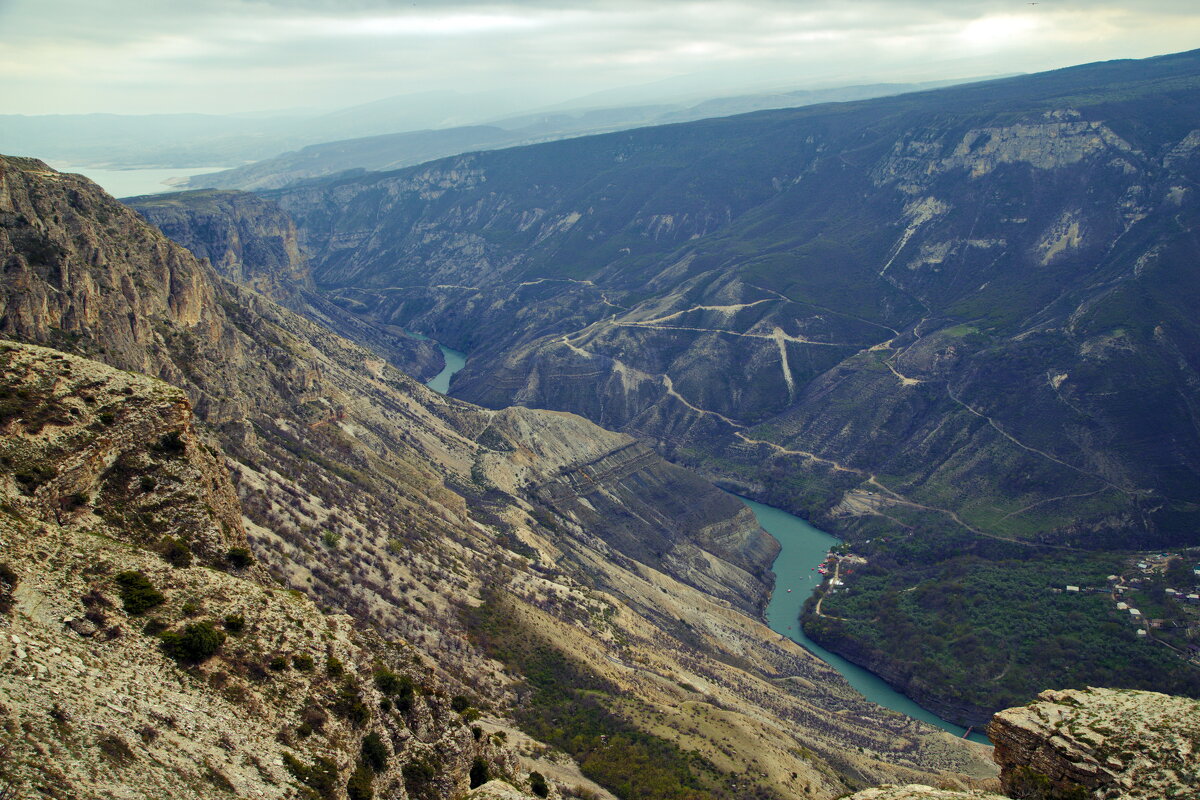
{"x":229,"y":56}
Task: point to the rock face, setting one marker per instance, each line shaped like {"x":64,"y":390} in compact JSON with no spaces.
{"x":1099,"y":743}
{"x":380,"y":499}
{"x":919,"y":792}
{"x":253,"y":244}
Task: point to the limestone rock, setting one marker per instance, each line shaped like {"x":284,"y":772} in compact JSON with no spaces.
{"x":920,"y":792}
{"x":1101,"y":743}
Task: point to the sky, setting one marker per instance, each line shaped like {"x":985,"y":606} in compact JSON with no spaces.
{"x":223,"y":56}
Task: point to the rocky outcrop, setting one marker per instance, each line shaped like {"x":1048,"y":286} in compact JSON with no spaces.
{"x":253,"y":244}
{"x":1099,"y":743}
{"x":919,"y":792}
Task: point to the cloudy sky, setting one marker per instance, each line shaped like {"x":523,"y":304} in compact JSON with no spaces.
{"x":142,"y":56}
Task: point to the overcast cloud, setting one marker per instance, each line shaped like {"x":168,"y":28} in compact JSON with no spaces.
{"x":143,"y":56}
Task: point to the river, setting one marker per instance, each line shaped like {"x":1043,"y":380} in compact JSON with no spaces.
{"x":803,"y":548}
{"x":455,"y":361}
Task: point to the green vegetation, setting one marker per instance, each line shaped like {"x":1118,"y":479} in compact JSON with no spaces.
{"x":197,"y":642}
{"x":399,"y":688}
{"x":176,"y":552}
{"x":321,"y":776}
{"x":239,"y":557}
{"x":481,"y":772}
{"x":569,"y":707}
{"x":994,"y":633}
{"x":348,"y":704}
{"x":360,"y":786}
{"x":420,"y":780}
{"x":8,"y":584}
{"x":375,"y":753}
{"x":138,"y":595}
{"x":235,"y":623}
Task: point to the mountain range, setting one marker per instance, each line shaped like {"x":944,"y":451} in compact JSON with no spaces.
{"x":953,"y":326}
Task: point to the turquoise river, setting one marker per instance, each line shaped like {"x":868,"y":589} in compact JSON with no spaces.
{"x":804,"y":547}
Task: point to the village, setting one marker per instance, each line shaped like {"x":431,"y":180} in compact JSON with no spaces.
{"x":1159,"y":595}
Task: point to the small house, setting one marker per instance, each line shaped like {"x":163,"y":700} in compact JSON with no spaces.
{"x":1133,"y":612}
{"x":1072,"y":588}
{"x":1122,"y":606}
{"x":1141,"y":632}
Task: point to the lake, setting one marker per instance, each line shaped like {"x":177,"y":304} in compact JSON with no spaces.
{"x":130,"y":182}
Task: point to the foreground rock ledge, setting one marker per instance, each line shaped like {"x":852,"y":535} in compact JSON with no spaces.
{"x":1087,"y":744}
{"x":1100,"y":743}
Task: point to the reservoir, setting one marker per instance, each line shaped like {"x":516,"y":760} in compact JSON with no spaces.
{"x":130,"y":182}
{"x":804,"y":547}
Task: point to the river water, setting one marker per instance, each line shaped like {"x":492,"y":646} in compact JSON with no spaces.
{"x":454,"y":362}
{"x":804,"y":547}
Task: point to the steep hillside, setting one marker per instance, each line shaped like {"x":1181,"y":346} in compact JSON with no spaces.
{"x":253,"y":244}
{"x":956,"y":324}
{"x":506,"y":546}
{"x":145,"y":653}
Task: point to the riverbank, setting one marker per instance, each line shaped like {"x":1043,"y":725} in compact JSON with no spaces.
{"x":804,"y":547}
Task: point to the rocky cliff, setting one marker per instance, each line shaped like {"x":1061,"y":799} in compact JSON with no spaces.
{"x":1089,"y":744}
{"x":253,"y":244}
{"x":1100,"y":743}
{"x":378,"y":498}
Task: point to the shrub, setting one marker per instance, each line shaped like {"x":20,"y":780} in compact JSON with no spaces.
{"x":154,"y":626}
{"x":349,"y":704}
{"x":171,"y":444}
{"x":8,"y":583}
{"x":359,"y":786}
{"x":460,"y":703}
{"x":419,"y":777}
{"x":321,"y":777}
{"x":374,"y":752}
{"x":138,"y":595}
{"x":176,"y":552}
{"x":398,"y":687}
{"x":235,"y":623}
{"x":278,"y":663}
{"x":538,"y":785}
{"x":191,"y":607}
{"x":331,"y":538}
{"x":303,"y":662}
{"x":239,"y":557}
{"x":481,"y":773}
{"x":146,"y":483}
{"x":334,"y":667}
{"x":197,"y":642}
{"x":115,"y":750}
